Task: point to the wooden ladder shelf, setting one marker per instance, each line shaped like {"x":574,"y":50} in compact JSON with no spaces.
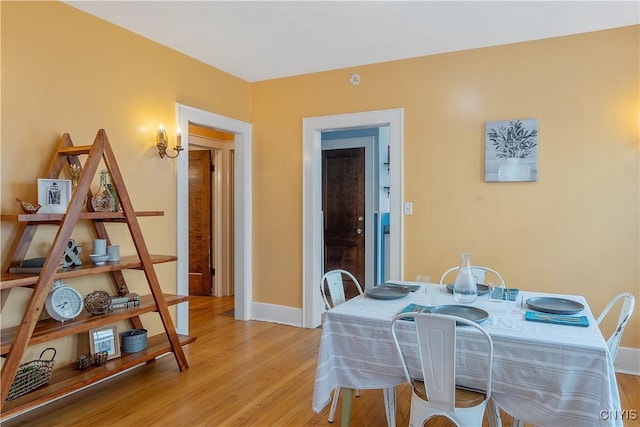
{"x":31,"y":330}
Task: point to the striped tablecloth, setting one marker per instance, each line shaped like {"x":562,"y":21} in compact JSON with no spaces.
{"x":545,"y":374}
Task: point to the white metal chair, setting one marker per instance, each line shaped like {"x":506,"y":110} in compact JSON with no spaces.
{"x":625,"y":313}
{"x":478,"y":272}
{"x":334,"y":284}
{"x":435,"y":392}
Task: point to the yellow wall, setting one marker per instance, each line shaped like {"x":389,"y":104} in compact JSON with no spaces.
{"x":576,"y":230}
{"x":66,"y":71}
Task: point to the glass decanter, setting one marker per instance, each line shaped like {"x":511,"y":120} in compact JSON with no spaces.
{"x":465,"y":290}
{"x":103,"y":200}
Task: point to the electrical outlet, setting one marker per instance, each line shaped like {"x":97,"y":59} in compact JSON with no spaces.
{"x":408,"y":208}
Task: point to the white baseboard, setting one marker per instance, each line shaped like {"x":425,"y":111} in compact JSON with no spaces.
{"x":276,"y":314}
{"x":627,"y":361}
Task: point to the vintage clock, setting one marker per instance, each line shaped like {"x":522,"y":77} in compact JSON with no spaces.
{"x":63,"y":302}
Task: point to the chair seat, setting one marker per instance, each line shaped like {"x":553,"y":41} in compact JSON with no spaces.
{"x":464,"y":398}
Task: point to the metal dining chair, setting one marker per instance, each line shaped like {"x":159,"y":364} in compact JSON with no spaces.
{"x":625,"y":313}
{"x":434,"y":390}
{"x":332,"y":286}
{"x":478,"y":272}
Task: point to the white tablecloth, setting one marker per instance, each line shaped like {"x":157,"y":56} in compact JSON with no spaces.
{"x":547,"y":375}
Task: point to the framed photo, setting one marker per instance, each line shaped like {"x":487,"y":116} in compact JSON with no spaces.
{"x":105,"y":339}
{"x":54,"y":195}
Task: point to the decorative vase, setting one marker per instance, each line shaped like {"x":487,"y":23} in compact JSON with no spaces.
{"x":465,"y":289}
{"x":103,"y":200}
{"x":513,"y":169}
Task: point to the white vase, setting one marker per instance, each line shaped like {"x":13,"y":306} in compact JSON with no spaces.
{"x":513,"y":169}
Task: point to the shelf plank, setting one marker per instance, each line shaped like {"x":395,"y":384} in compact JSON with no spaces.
{"x":12,"y":280}
{"x":44,"y":218}
{"x":67,"y":379}
{"x":50,"y":329}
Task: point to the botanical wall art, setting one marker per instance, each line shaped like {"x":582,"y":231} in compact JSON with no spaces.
{"x":511,"y":150}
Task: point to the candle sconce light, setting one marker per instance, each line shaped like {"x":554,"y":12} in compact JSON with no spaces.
{"x":162,"y":141}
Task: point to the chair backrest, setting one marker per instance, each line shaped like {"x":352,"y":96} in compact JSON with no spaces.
{"x":625,"y":314}
{"x":478,"y":272}
{"x":335,"y":287}
{"x":436,"y":338}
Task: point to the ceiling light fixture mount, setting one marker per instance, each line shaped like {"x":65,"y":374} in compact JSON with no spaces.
{"x":162,"y":141}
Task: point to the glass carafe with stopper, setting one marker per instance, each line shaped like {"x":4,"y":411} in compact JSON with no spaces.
{"x":465,"y":289}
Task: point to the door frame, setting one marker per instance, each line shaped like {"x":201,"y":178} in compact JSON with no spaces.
{"x":243,"y":296}
{"x":312,"y":127}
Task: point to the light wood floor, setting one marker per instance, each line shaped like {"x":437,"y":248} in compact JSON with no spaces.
{"x":242,"y":374}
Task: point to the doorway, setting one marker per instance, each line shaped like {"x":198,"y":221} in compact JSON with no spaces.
{"x":242,"y":206}
{"x":211,"y":228}
{"x":312,"y":304}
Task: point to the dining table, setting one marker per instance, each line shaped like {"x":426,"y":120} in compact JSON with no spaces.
{"x":546,"y":374}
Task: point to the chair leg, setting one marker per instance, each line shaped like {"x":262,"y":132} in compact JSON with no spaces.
{"x":390,"y":405}
{"x":493,"y":414}
{"x":334,"y":404}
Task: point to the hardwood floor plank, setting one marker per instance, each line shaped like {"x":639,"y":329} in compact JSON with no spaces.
{"x":242,"y":374}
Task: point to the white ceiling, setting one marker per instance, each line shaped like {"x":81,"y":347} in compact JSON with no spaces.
{"x":261,"y":40}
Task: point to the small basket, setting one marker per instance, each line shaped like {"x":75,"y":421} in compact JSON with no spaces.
{"x":32,"y":375}
{"x":97,"y":302}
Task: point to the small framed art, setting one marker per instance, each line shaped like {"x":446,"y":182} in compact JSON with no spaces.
{"x":511,"y":150}
{"x":105,"y":339}
{"x":54,"y":195}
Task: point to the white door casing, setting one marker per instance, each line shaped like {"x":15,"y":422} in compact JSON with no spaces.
{"x":242,"y":210}
{"x":312,"y":127}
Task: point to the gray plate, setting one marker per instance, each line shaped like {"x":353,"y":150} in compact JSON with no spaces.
{"x":385,"y":292}
{"x":482,"y":289}
{"x":474,"y":314}
{"x":412,"y":288}
{"x":555,"y":305}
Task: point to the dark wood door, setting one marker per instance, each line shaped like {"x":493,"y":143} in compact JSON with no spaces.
{"x":200,"y":222}
{"x":343,"y":192}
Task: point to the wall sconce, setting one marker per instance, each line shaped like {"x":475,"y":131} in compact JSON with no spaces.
{"x":162,"y":142}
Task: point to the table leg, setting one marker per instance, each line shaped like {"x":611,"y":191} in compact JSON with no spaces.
{"x":347,"y":397}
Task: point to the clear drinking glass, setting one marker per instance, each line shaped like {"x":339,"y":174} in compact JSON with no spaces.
{"x":496,"y":292}
{"x":423,"y":280}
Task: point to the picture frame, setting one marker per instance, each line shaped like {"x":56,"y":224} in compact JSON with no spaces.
{"x":511,"y":150}
{"x":54,"y":195}
{"x":105,"y":339}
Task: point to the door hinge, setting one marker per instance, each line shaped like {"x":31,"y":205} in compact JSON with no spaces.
{"x":212,"y":167}
{"x":213,"y":271}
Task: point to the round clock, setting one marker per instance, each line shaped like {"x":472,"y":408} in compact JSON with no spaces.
{"x":63,"y":302}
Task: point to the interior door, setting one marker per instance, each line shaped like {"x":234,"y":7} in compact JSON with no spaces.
{"x":343,"y":203}
{"x":200,"y":222}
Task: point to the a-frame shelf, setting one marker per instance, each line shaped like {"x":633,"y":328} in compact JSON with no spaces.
{"x":33,"y":330}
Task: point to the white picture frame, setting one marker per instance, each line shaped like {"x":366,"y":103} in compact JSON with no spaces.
{"x":53,"y":195}
{"x":105,"y":339}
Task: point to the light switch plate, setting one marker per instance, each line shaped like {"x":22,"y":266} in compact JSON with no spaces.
{"x":408,"y":208}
